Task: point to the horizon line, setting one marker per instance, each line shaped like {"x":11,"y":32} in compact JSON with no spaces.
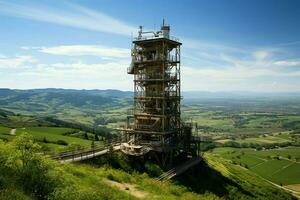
{"x":209,"y":91}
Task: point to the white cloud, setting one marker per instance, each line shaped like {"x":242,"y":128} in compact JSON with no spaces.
{"x":72,"y":15}
{"x":83,"y":50}
{"x":226,"y":69}
{"x":287,"y":63}
{"x":235,"y":73}
{"x":72,"y":75}
{"x":239,"y":79}
{"x":217,"y":62}
{"x":15,"y":62}
{"x":105,"y":70}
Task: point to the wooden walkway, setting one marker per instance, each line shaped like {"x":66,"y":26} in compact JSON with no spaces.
{"x":179,"y":169}
{"x":84,"y":154}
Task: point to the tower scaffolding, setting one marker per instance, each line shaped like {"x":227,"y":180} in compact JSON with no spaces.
{"x":155,"y":125}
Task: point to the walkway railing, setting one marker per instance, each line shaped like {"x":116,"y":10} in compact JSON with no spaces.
{"x":84,"y":153}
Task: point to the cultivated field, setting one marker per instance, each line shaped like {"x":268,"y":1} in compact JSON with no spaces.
{"x":280,"y":166}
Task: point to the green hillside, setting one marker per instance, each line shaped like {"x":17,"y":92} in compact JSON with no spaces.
{"x":41,"y":178}
{"x":49,"y":133}
{"x":84,"y":106}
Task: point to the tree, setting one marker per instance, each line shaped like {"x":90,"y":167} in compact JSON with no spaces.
{"x":35,"y":172}
{"x":26,"y":149}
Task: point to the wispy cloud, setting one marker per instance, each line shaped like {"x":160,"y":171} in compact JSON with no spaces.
{"x":72,"y":15}
{"x":288,"y":44}
{"x":15,"y":62}
{"x":239,"y":73}
{"x":206,"y":65}
{"x":96,"y":75}
{"x":287,"y":63}
{"x":220,"y":67}
{"x":85,"y":50}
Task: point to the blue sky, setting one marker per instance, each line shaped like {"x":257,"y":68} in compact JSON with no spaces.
{"x":227,"y":45}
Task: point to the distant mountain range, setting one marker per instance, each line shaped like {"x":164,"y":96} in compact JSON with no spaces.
{"x":104,"y":93}
{"x":120,"y":93}
{"x":62,"y":96}
{"x":102,"y":97}
{"x":56,"y":100}
{"x":96,"y":106}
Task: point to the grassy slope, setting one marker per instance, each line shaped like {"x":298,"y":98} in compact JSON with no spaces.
{"x":251,"y":186}
{"x":218,"y":179}
{"x":54,"y":134}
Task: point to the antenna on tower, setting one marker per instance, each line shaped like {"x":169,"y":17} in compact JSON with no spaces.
{"x":140,"y":32}
{"x":165,"y":29}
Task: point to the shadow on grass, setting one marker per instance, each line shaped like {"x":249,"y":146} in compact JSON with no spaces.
{"x":202,"y":179}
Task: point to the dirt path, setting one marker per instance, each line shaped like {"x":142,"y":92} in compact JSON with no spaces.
{"x":259,"y":158}
{"x":289,"y":160}
{"x":13,"y":131}
{"x":291,"y":191}
{"x":295,"y":187}
{"x":129,"y":188}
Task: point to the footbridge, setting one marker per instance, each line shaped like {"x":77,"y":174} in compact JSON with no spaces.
{"x":81,"y":154}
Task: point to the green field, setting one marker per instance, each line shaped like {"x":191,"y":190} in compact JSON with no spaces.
{"x":280,"y":166}
{"x":263,"y":139}
{"x":51,"y":134}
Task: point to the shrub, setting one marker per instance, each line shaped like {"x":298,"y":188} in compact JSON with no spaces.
{"x":153,"y":169}
{"x":62,"y":142}
{"x":45,"y":140}
{"x":110,"y":177}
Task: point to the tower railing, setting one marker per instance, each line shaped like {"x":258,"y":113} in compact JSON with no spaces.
{"x":145,"y":111}
{"x":156,"y":76}
{"x":155,"y":58}
{"x":156,"y":94}
{"x":149,"y":37}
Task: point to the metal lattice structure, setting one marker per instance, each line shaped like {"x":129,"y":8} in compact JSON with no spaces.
{"x":155,"y":124}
